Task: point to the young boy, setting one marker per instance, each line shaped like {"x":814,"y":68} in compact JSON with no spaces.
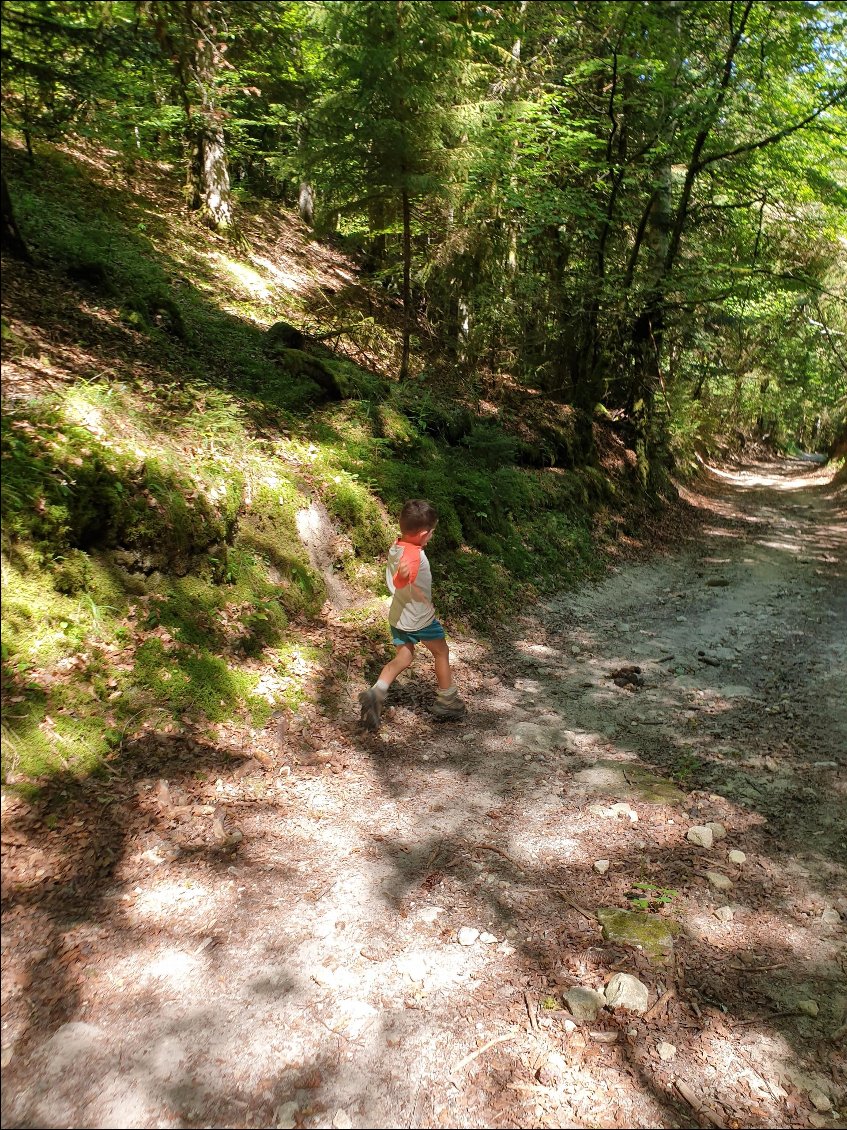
{"x":411,"y":617}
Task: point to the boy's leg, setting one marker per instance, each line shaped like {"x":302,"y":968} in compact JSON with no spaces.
{"x":447,"y":702}
{"x":372,"y":700}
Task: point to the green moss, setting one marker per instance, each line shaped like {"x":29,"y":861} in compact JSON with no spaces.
{"x":650,"y":933}
{"x":353,"y":506}
{"x":267,"y":534}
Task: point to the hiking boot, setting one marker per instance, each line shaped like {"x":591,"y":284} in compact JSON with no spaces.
{"x":371,"y":710}
{"x":450,"y":710}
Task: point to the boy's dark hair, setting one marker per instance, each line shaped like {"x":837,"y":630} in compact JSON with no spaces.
{"x":417,"y":514}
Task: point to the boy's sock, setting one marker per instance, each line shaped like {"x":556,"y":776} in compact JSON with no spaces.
{"x":380,"y":689}
{"x":449,"y":694}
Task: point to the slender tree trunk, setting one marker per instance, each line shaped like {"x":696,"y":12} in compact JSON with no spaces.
{"x":407,"y":283}
{"x":306,"y":204}
{"x":12,"y":240}
{"x":185,"y":29}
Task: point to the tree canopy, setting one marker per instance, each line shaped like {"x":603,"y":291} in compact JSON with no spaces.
{"x":636,"y":208}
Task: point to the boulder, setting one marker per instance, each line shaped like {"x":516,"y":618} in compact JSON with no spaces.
{"x":281,"y":335}
{"x":300,"y":364}
{"x":626,"y":991}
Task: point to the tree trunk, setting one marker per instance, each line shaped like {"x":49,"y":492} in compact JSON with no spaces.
{"x":185,"y":30}
{"x":12,"y":240}
{"x":210,"y":175}
{"x":407,"y":284}
{"x":306,"y":204}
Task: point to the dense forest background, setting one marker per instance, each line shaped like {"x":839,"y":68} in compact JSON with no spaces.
{"x":576,"y":244}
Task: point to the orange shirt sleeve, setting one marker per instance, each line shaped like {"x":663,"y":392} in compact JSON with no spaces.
{"x":408,"y":566}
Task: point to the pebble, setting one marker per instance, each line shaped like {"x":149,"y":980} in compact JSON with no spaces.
{"x":700,"y":835}
{"x":737,"y":856}
{"x":808,"y":1007}
{"x":626,"y":991}
{"x":286,"y":1116}
{"x":341,"y":1120}
{"x":666,"y":1051}
{"x":602,"y":866}
{"x":718,"y":831}
{"x":820,"y":1101}
{"x":429,"y":913}
{"x":623,"y":809}
{"x":584,"y":1004}
{"x":725,"y":913}
{"x":831,"y":917}
{"x":721,"y":882}
{"x":486,"y":938}
{"x":467,"y":936}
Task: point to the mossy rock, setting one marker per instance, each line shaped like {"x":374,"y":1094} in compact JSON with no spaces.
{"x":71,"y":573}
{"x":435,"y":416}
{"x":281,"y":336}
{"x":639,"y":928}
{"x":628,"y":781}
{"x":302,"y":365}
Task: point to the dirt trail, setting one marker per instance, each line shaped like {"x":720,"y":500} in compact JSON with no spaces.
{"x":307,"y":970}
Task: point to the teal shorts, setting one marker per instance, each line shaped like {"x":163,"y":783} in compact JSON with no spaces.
{"x":433,"y":631}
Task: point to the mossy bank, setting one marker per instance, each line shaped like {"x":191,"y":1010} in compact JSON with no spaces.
{"x":157,"y":449}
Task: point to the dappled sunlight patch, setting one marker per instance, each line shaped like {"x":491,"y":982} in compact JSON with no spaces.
{"x":167,"y":897}
{"x":250,"y":281}
{"x":169,"y":965}
{"x":296,"y":283}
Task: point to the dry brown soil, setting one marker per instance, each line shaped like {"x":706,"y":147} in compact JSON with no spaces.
{"x":274,"y":941}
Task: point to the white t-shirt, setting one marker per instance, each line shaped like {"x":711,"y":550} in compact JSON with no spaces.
{"x":411,"y":605}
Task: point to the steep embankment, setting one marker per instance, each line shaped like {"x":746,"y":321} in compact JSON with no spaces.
{"x":165,"y":456}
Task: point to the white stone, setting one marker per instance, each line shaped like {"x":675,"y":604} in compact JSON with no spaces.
{"x":820,"y":1101}
{"x":286,"y":1116}
{"x":737,"y":856}
{"x":666,"y":1051}
{"x":602,"y":866}
{"x":725,"y":913}
{"x":467,"y":936}
{"x":568,"y":1025}
{"x":506,"y":949}
{"x":584,"y":1004}
{"x":621,"y":808}
{"x":341,"y":1120}
{"x":430,"y":913}
{"x":719,"y":881}
{"x":626,"y":991}
{"x":486,"y":938}
{"x":700,"y":835}
{"x":718,"y":831}
{"x":831,"y":917}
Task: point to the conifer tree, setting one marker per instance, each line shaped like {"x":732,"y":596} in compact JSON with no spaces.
{"x":384,"y":133}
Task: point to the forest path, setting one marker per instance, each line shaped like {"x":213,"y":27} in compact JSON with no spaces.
{"x":386,"y":938}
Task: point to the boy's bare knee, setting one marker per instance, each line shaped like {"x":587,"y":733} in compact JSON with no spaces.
{"x":437,"y":647}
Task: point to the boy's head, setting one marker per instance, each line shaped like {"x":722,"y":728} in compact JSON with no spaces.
{"x":418,"y":517}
